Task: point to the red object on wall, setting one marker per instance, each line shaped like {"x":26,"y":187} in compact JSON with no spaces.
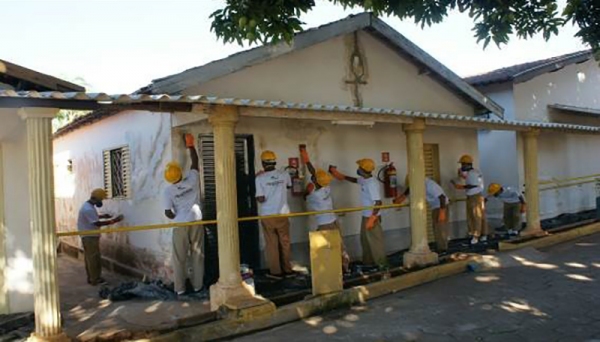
{"x":385,"y":157}
{"x":390,"y":181}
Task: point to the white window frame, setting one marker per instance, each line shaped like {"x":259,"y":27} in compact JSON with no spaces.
{"x":125,"y":172}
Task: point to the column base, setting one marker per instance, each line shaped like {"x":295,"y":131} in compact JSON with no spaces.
{"x":533,"y":232}
{"x":62,"y":337}
{"x":239,"y":302}
{"x":413,"y":259}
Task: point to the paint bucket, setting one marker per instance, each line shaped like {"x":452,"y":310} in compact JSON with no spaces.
{"x":247,"y":274}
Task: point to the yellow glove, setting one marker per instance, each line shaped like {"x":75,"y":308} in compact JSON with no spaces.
{"x":443,"y":215}
{"x":400,"y":199}
{"x":310,"y":188}
{"x":371,"y":222}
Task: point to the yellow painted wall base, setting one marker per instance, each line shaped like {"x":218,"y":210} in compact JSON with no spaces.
{"x":326,"y":261}
{"x":551,"y":239}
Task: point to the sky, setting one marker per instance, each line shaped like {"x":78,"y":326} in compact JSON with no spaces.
{"x":119,"y":46}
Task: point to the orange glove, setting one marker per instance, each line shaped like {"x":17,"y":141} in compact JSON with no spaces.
{"x":189,"y":140}
{"x":457,"y":186}
{"x":400,"y":199}
{"x":371,"y":222}
{"x":338,"y":175}
{"x":310,"y":188}
{"x":523,"y":208}
{"x":304,"y":154}
{"x":443,"y":215}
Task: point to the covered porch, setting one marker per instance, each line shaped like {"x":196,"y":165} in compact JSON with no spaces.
{"x":230,"y":295}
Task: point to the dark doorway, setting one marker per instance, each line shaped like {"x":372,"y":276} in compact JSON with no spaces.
{"x":249,"y":238}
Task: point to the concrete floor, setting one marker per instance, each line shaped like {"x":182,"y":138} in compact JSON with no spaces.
{"x":547,"y":295}
{"x":88,"y":317}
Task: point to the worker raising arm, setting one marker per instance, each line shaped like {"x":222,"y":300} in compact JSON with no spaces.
{"x":371,"y":233}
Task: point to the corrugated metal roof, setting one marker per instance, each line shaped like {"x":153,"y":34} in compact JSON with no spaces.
{"x":432,"y":118}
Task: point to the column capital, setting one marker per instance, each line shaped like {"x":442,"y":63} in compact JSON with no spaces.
{"x":532,"y":133}
{"x":418,"y":125}
{"x":223,"y":115}
{"x":37,"y":112}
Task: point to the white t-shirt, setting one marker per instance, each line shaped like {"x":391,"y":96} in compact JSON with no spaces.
{"x":183,"y":198}
{"x":370,"y":192}
{"x":509,"y":195}
{"x":474,"y":177}
{"x":273,"y":186}
{"x":86,"y":218}
{"x":433,"y":192}
{"x":319,"y":200}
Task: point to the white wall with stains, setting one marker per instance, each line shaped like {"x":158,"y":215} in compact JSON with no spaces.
{"x":148,"y":137}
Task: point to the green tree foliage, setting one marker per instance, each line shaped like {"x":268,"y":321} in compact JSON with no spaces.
{"x":271,"y":21}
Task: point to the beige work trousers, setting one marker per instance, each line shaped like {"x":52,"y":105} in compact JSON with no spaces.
{"x":277,"y":244}
{"x":92,"y":258}
{"x":373,"y":247}
{"x":512,"y":216}
{"x":440,"y":230}
{"x":336,"y":226}
{"x":476,"y":220}
{"x":188,"y":241}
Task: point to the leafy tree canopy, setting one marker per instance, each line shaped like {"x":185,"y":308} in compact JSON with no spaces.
{"x":271,"y":21}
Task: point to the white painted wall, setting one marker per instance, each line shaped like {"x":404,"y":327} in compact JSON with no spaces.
{"x":498,"y":149}
{"x":318,"y":74}
{"x":564,"y":155}
{"x":341,"y":146}
{"x":18,"y":272}
{"x":148,"y":137}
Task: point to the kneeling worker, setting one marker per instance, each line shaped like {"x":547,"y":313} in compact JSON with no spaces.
{"x":438,"y":202}
{"x":514,"y":206}
{"x":318,"y":198}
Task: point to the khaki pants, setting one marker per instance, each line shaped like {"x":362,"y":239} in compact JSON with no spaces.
{"x":440,"y":230}
{"x":373,"y":247}
{"x":345,"y":257}
{"x":476,"y":219}
{"x":512,"y":216}
{"x":188,"y":240}
{"x":93,"y":259}
{"x":277,"y":239}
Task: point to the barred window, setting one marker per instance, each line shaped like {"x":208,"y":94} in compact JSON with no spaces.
{"x":117,"y":172}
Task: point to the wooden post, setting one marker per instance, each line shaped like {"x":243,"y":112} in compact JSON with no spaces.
{"x":419,"y":253}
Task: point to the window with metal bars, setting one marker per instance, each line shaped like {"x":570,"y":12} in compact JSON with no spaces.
{"x":116,"y":172}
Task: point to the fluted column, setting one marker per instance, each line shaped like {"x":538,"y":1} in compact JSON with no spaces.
{"x":532,"y":191}
{"x":419,"y":253}
{"x":3,"y":289}
{"x":41,"y":211}
{"x":230,"y":291}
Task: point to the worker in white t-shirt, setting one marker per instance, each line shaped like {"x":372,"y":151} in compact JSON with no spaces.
{"x":514,"y":206}
{"x":181,"y":201}
{"x":271,"y":192}
{"x":438,"y":203}
{"x":318,"y":198}
{"x":473,"y":187}
{"x":371,"y":233}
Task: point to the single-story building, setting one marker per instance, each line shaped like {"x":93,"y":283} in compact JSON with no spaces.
{"x":359,"y":61}
{"x":562,"y":89}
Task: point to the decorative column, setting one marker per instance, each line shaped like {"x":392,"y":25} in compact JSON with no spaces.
{"x":532,"y":191}
{"x":41,"y":211}
{"x":419,"y":253}
{"x":3,"y":289}
{"x":230,"y":291}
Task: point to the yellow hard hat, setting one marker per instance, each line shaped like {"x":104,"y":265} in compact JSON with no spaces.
{"x":323,"y":178}
{"x":173,"y":172}
{"x":366,"y":164}
{"x":466,"y":159}
{"x":268,"y":156}
{"x":99,"y":194}
{"x":494,"y":188}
